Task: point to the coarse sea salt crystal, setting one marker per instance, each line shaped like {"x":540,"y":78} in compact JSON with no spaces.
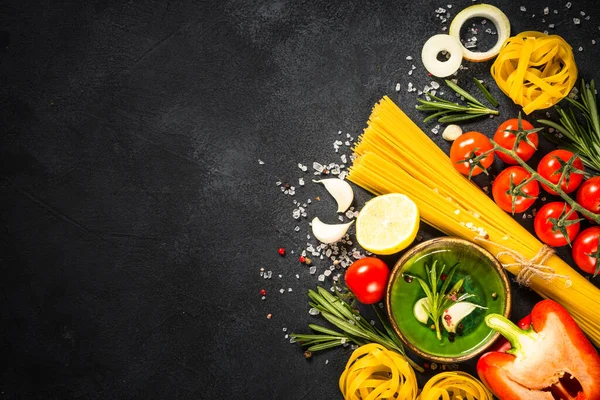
{"x":261,"y":162}
{"x":314,"y":311}
{"x":397,"y":87}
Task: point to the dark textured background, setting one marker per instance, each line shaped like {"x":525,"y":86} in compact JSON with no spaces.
{"x":135,"y":214}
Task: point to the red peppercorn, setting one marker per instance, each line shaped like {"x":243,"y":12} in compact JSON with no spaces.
{"x":263,"y":292}
{"x":281,"y":251}
{"x":443,"y":277}
{"x":302,"y":259}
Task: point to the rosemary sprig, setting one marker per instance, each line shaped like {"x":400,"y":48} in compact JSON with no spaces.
{"x":354,"y":328}
{"x":436,"y":290}
{"x":582,"y":138}
{"x":446,"y":111}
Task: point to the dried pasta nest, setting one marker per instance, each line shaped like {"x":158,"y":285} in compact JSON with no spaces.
{"x":373,"y":372}
{"x":535,"y":70}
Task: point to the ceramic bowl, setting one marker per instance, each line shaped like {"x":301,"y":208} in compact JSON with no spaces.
{"x":484,"y":277}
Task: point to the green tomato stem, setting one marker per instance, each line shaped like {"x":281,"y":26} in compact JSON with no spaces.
{"x":574,"y":205}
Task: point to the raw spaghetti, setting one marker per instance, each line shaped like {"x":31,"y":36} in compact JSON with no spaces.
{"x":393,"y":155}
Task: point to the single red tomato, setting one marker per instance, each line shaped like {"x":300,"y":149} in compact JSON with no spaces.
{"x":550,"y":234}
{"x":588,"y":195}
{"x":468,"y":146}
{"x":367,"y":279}
{"x":585,"y":250}
{"x":505,"y":137}
{"x":550,"y":168}
{"x":502,"y":186}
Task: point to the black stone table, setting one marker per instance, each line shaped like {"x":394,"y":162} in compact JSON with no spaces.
{"x":144,"y":145}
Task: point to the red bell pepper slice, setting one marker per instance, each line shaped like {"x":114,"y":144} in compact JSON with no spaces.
{"x":552,"y":359}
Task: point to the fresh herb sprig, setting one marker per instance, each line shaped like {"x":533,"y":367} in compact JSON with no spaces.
{"x":436,"y":290}
{"x":446,"y":111}
{"x":582,"y":138}
{"x":354,"y":327}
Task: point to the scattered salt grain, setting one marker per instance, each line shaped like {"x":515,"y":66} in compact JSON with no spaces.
{"x":327,"y":272}
{"x":546,"y":11}
{"x":314,"y":311}
{"x":301,"y":181}
{"x":568,"y":5}
{"x":522,"y":8}
{"x":576,"y":21}
{"x":281,"y":291}
{"x":312,"y":270}
{"x":261,"y":162}
{"x":409,"y":58}
{"x":321,"y":278}
{"x":397,"y":87}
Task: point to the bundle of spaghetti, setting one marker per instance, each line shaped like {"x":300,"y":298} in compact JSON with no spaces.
{"x":393,"y":155}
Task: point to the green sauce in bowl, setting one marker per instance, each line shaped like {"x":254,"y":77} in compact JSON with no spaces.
{"x":484,"y":277}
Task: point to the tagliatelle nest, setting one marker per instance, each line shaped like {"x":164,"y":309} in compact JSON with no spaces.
{"x":373,"y":372}
{"x":535,"y":70}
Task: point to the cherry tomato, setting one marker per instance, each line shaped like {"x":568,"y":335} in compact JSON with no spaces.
{"x":549,"y":167}
{"x":367,"y":279}
{"x":507,"y":139}
{"x":546,"y":232}
{"x":585,"y":250}
{"x":588,"y":195}
{"x":501,"y":188}
{"x":468,"y":145}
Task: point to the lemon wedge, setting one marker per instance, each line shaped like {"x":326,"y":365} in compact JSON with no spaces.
{"x":387,"y":224}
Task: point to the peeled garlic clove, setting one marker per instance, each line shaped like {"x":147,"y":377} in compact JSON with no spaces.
{"x":452,"y":132}
{"x":329,"y":233}
{"x":340,"y":190}
{"x":420,"y":310}
{"x":456,"y":313}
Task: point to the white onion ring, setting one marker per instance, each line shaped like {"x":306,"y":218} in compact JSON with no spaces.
{"x":489,"y":12}
{"x":433,"y":46}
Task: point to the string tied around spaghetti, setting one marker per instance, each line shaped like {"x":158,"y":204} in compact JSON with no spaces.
{"x":529,"y":267}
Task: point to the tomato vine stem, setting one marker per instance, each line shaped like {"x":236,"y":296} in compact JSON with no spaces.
{"x":556,"y":187}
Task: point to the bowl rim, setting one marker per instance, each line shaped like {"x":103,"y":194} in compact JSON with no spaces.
{"x":409,"y":254}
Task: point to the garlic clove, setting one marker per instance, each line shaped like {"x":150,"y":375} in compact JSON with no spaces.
{"x":421,"y":309}
{"x":329,"y":233}
{"x":452,"y":132}
{"x":340,"y":190}
{"x":457,"y":312}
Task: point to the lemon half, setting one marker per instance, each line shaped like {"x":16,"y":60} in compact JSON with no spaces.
{"x":387,"y":224}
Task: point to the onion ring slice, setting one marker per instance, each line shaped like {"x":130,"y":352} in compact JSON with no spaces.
{"x":487,"y":11}
{"x":433,"y":46}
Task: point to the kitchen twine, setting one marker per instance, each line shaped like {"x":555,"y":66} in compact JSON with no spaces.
{"x":529,"y":268}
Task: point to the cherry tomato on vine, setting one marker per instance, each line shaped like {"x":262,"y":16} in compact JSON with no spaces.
{"x":588,"y":195}
{"x":550,"y":233}
{"x":470,"y":145}
{"x":585,"y":250}
{"x":550,"y":168}
{"x":524,"y":197}
{"x":505,"y":138}
{"x":367,"y":279}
